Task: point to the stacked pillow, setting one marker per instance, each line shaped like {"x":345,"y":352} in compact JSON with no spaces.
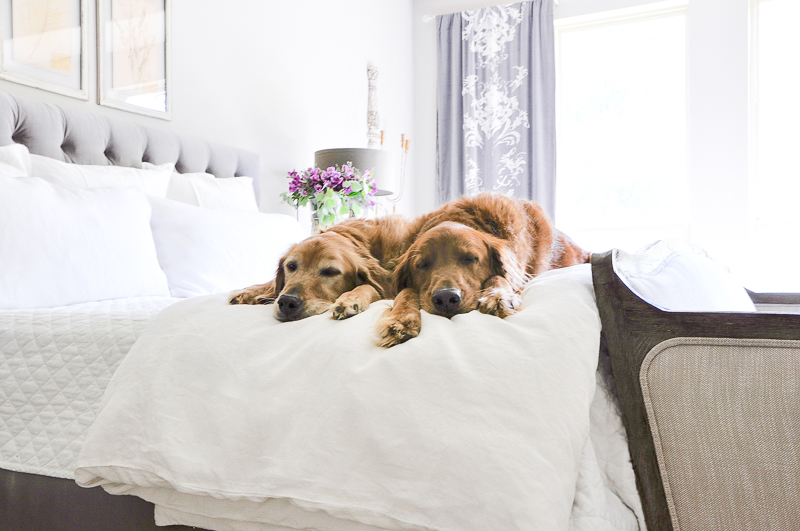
{"x":205,"y":250}
{"x":85,"y":176}
{"x":63,"y":246}
{"x":205,"y":190}
{"x":74,"y":233}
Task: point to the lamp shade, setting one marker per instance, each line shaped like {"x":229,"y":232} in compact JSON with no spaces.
{"x":378,"y":161}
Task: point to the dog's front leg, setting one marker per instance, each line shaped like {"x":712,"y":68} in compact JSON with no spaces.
{"x":402,"y":321}
{"x":499,"y":298}
{"x":258,"y":294}
{"x":356,"y":301}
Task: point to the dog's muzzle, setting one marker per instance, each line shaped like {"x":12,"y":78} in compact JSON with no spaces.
{"x":290,"y":308}
{"x":446,"y":301}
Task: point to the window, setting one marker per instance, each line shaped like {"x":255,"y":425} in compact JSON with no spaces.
{"x":774,"y":262}
{"x":621,"y":128}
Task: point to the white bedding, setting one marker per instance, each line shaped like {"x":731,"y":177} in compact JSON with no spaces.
{"x":227,"y":419}
{"x":55,"y":364}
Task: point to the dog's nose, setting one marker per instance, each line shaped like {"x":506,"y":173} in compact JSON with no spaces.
{"x":446,"y":301}
{"x":289,"y":307}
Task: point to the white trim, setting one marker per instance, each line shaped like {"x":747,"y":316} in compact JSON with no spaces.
{"x":654,"y":9}
{"x":81,"y":93}
{"x":104,"y":69}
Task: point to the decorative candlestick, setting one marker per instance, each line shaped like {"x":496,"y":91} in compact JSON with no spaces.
{"x":373,"y":136}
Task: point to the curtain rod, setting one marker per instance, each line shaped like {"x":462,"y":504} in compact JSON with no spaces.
{"x":429,"y":18}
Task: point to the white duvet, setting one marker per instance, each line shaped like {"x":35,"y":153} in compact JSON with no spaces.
{"x":227,"y":419}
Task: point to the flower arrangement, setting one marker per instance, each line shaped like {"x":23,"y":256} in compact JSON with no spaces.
{"x":334,"y":194}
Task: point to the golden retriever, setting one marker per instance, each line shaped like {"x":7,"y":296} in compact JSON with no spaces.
{"x":342,"y":269}
{"x":473,"y":253}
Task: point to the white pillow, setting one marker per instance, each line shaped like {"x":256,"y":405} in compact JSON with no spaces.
{"x":205,"y":190}
{"x":206,"y":251}
{"x":15,"y":161}
{"x":680,"y":277}
{"x":151,"y":182}
{"x":62,"y":246}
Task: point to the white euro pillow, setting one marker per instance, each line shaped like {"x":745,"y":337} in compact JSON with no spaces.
{"x":61,"y":246}
{"x":15,"y":161}
{"x":680,"y":277}
{"x":205,"y":251}
{"x":151,"y":182}
{"x":205,"y":190}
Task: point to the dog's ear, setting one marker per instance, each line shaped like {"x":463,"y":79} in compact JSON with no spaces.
{"x":402,"y":273}
{"x":274,"y":287}
{"x":503,"y":262}
{"x":369,"y":271}
{"x":280,"y":279}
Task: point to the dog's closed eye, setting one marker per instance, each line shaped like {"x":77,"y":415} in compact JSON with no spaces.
{"x":330,"y":272}
{"x":467,"y":259}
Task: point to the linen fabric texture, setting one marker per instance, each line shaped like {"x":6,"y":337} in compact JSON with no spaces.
{"x":478,"y":423}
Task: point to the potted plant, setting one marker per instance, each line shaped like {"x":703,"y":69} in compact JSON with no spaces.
{"x":335,"y":193}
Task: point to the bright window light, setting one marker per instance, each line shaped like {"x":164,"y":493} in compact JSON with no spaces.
{"x":775,"y":180}
{"x":621,"y":129}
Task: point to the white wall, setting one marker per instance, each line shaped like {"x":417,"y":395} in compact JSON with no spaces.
{"x":281,"y":78}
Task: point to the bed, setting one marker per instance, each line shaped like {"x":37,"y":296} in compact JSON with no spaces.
{"x":86,"y":332}
{"x":161,"y":405}
{"x":57,"y":358}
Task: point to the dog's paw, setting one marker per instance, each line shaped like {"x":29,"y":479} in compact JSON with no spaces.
{"x":500,"y":302}
{"x":250,"y":297}
{"x":395,"y":329}
{"x":347,"y":306}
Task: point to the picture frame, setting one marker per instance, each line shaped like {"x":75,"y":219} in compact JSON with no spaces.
{"x":133,"y":61}
{"x":45,"y":45}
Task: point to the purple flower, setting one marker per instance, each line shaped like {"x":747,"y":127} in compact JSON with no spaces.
{"x":307,"y":183}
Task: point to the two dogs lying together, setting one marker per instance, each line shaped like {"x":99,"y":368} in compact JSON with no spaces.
{"x":475,"y":253}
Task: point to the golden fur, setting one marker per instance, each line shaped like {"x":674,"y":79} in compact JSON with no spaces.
{"x":343,"y":269}
{"x":485,"y":246}
{"x":473,"y":253}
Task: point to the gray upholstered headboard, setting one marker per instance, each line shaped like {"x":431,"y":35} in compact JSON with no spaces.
{"x":85,"y":138}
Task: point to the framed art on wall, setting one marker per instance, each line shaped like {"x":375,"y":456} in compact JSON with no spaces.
{"x":44,"y":45}
{"x":133,"y":62}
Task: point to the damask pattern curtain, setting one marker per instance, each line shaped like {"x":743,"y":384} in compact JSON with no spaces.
{"x":496,"y":103}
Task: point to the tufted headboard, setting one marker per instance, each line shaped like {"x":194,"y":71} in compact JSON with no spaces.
{"x":85,"y":138}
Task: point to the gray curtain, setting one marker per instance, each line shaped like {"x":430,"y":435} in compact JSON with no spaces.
{"x":496,"y":103}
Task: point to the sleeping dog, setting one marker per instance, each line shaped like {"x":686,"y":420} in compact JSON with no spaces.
{"x":343,"y":269}
{"x":475,"y":253}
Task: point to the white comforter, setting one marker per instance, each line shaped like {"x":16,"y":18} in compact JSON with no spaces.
{"x":227,"y":419}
